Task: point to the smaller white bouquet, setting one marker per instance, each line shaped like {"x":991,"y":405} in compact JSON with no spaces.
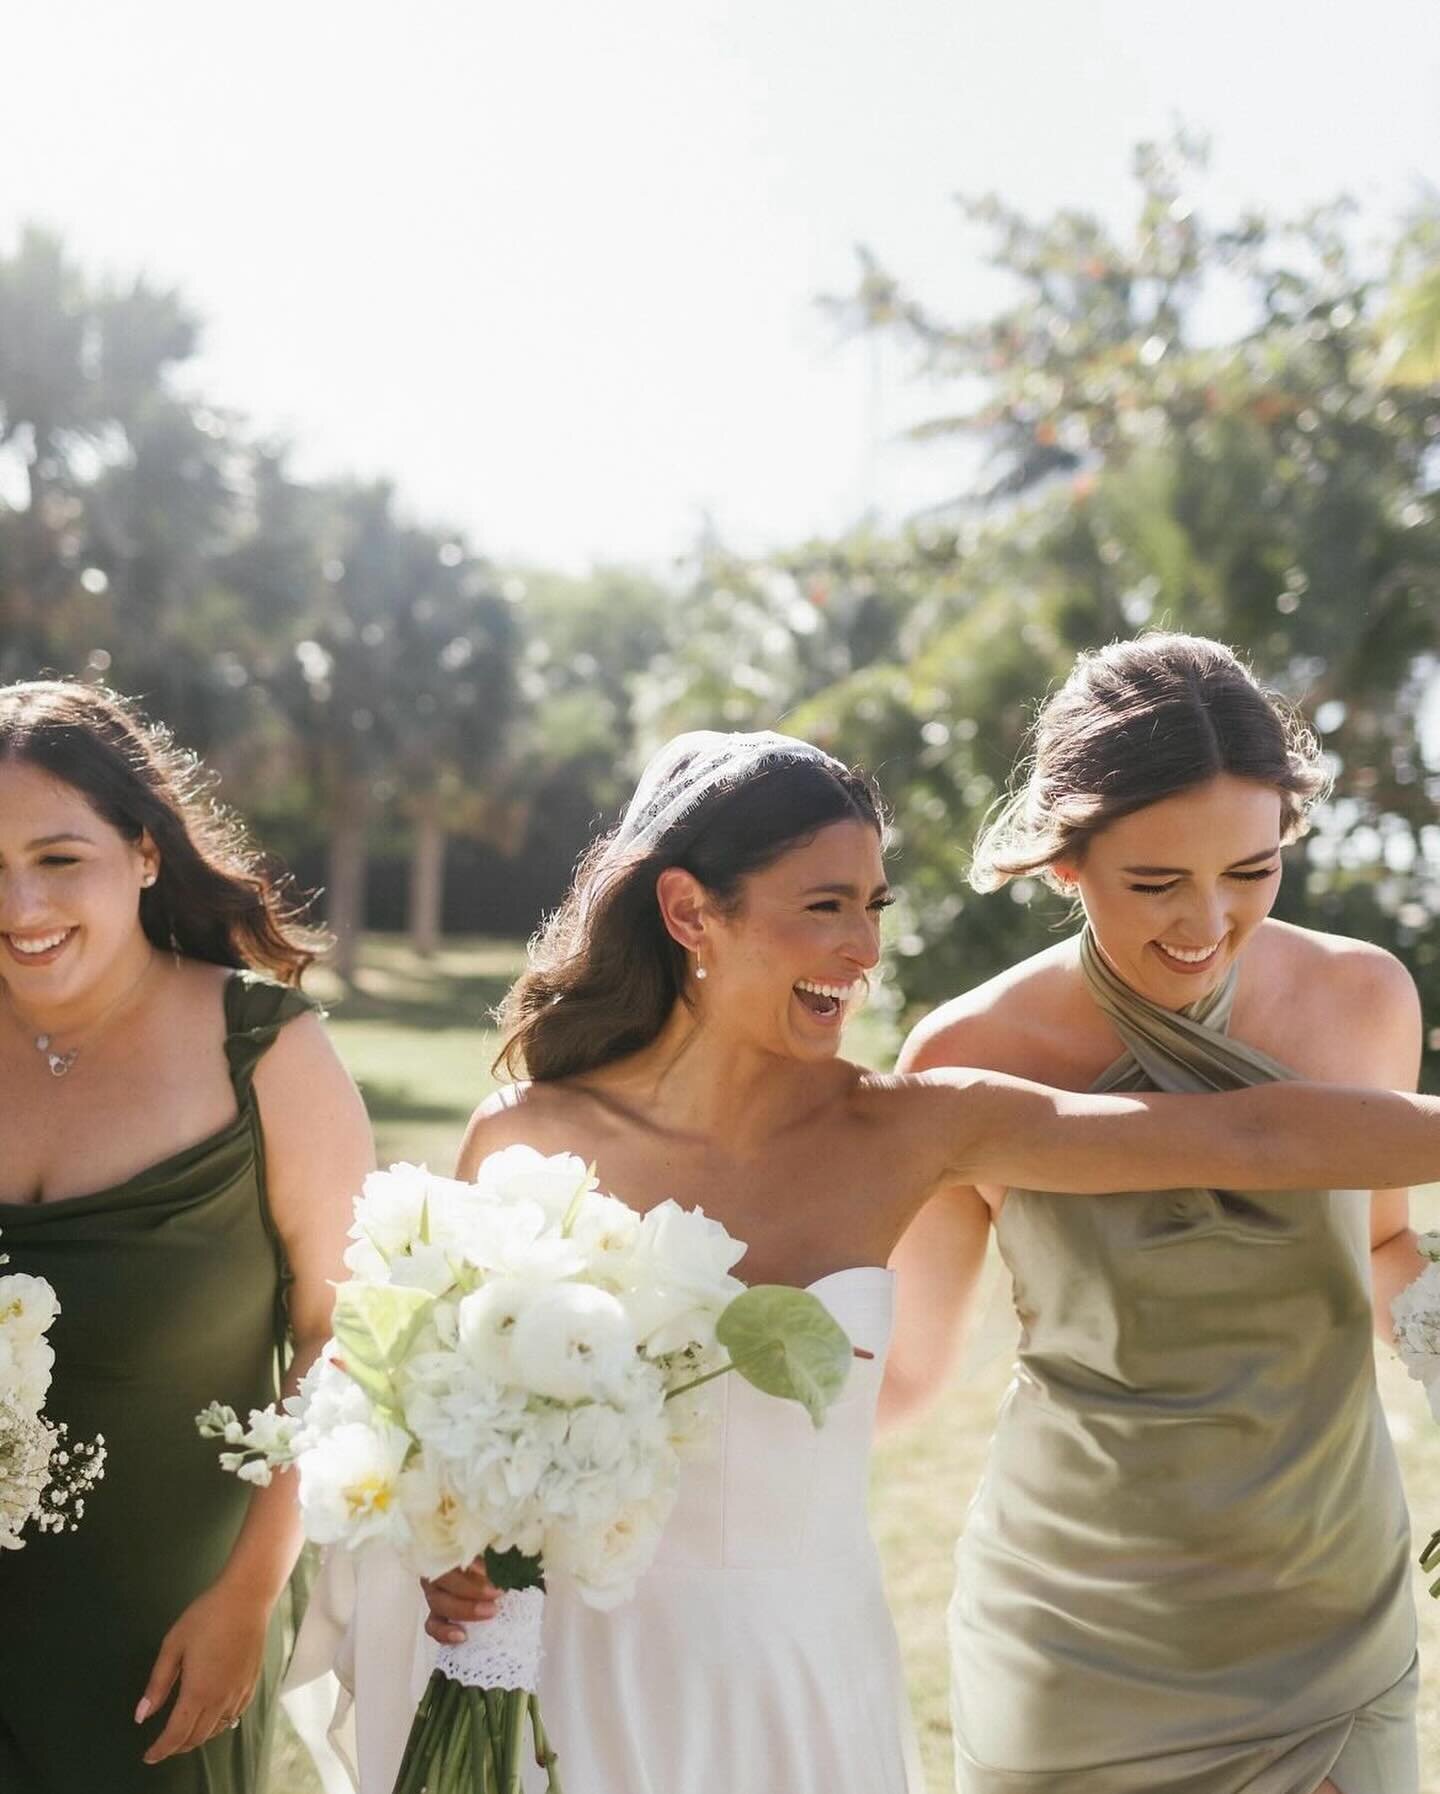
{"x":43,"y":1478}
{"x":518,"y":1367}
{"x":1416,"y":1316}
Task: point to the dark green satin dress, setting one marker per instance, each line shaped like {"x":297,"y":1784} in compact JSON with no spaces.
{"x":1187,"y":1567}
{"x":172,"y":1295}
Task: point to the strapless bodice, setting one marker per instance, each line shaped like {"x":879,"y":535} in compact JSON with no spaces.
{"x":770,"y":1488}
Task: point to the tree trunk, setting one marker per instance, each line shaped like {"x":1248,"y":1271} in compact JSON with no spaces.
{"x":349,"y":854}
{"x":427,"y":880}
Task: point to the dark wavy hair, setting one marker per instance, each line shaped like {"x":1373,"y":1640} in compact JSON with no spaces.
{"x":214,"y":898}
{"x":605,"y":973}
{"x":1136,"y":722}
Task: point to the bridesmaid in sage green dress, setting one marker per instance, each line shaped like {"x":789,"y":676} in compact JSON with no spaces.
{"x":181,"y":1146}
{"x":1187,"y":1566}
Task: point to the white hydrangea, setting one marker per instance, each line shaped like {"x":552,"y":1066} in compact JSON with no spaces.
{"x":1415,"y":1313}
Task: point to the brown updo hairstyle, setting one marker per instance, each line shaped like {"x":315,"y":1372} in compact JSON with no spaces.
{"x":213,"y":898}
{"x":1136,"y":722}
{"x":605,"y":972}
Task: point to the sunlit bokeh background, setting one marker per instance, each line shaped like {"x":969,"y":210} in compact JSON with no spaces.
{"x":428,"y":410}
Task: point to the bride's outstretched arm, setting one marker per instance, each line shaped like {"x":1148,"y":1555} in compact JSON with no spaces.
{"x":1284,"y":1136}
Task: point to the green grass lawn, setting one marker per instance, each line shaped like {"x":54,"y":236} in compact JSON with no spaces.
{"x":419,"y":1038}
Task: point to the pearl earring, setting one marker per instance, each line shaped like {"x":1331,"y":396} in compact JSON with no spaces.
{"x":147,"y":881}
{"x":700,"y":971}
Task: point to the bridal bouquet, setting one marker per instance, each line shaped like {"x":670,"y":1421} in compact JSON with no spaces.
{"x":517,"y":1369}
{"x":1416,"y":1315}
{"x":43,"y":1479}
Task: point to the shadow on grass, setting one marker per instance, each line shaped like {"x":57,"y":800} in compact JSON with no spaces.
{"x":391,"y":1103}
{"x":458,"y":988}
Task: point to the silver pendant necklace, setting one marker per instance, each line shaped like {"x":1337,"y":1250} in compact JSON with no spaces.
{"x":58,"y":1062}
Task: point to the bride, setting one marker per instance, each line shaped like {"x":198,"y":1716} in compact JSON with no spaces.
{"x":679,"y":1025}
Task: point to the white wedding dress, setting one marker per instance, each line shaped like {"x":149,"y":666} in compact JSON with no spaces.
{"x":758,"y":1653}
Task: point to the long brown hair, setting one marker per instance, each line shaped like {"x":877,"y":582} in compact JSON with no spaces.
{"x":213,"y":899}
{"x":1136,"y":722}
{"x":604,"y":972}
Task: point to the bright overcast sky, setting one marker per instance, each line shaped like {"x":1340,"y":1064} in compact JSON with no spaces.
{"x":552,"y":264}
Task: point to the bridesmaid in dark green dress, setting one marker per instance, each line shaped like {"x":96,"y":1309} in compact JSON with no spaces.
{"x":181,"y":1147}
{"x":1188,"y":1563}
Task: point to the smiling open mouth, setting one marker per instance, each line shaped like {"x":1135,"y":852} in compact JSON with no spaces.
{"x":1189,"y":959}
{"x":37,"y":947}
{"x":826,"y":1001}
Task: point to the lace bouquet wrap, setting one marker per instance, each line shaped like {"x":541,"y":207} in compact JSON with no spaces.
{"x":517,"y":1371}
{"x":43,"y":1477}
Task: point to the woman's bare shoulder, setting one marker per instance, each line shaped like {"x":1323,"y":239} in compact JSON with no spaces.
{"x":1338,"y":979}
{"x":542,"y":1115}
{"x":1002,"y":1024}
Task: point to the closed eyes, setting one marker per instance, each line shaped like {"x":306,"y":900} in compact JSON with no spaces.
{"x":1244,"y":878}
{"x":831,"y":905}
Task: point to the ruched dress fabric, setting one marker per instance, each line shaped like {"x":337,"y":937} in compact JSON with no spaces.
{"x":171,"y":1288}
{"x":757,"y":1654}
{"x":1187,"y":1566}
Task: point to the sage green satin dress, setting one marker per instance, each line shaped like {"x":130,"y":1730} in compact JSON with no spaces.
{"x":172,"y":1295}
{"x":1187,"y":1566}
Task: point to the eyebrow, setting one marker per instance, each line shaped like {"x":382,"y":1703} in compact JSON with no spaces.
{"x":1265,"y":853}
{"x":843,"y":891}
{"x":55,"y":840}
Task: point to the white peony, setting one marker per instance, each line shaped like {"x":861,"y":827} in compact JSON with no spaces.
{"x":486,"y":1322}
{"x":572,"y":1343}
{"x":349,"y":1480}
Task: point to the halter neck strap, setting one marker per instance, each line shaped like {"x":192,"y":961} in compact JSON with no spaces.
{"x":1186,"y":1049}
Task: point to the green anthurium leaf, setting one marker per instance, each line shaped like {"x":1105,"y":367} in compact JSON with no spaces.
{"x":375,"y":1325}
{"x":787,"y":1343}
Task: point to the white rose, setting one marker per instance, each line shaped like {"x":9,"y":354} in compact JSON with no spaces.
{"x":605,"y":1230}
{"x":27,"y":1305}
{"x":573,"y":1341}
{"x":521,"y":1174}
{"x":403,"y":1209}
{"x":26,"y":1362}
{"x":679,"y":1280}
{"x":607,"y":1561}
{"x":444,"y":1533}
{"x":348,"y":1485}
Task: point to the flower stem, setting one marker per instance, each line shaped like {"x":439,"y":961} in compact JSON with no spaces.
{"x":772,"y":1345}
{"x":544,"y":1754}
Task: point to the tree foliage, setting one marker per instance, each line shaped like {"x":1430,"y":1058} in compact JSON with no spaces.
{"x":1223,"y":424}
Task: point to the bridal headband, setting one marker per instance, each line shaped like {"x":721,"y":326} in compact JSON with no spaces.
{"x":689,"y":770}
